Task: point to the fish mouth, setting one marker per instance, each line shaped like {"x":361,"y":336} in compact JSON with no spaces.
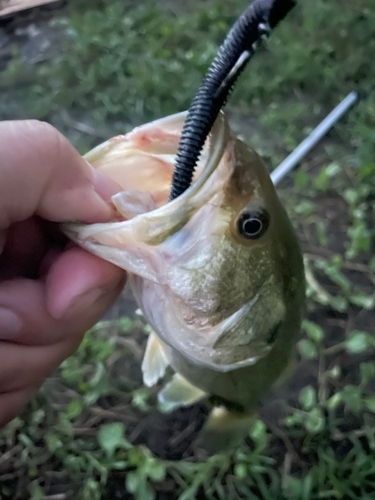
{"x":152,"y":226}
{"x":176,"y":213}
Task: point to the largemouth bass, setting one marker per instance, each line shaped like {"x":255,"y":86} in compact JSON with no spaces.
{"x":217,"y":272}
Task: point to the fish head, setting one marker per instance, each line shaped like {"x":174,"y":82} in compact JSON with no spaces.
{"x":218,"y":271}
{"x":234,"y":279}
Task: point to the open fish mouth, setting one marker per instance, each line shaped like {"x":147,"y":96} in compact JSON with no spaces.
{"x":183,"y":207}
{"x":155,"y":142}
{"x":150,"y":224}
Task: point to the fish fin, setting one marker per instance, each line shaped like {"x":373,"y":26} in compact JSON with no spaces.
{"x":179,"y":392}
{"x":154,"y":362}
{"x":224,"y":429}
{"x":133,"y":202}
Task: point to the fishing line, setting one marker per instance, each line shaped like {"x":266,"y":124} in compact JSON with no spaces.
{"x":243,"y":39}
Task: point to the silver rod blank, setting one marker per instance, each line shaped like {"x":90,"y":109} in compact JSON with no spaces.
{"x":316,"y":135}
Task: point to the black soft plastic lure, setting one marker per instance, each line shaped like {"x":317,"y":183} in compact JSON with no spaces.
{"x":241,"y":43}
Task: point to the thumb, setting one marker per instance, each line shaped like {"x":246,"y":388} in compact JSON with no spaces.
{"x":42,"y":173}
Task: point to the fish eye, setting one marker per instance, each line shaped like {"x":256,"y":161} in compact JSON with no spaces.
{"x":253,"y":224}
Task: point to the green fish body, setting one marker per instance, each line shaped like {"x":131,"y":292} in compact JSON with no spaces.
{"x":217,"y":272}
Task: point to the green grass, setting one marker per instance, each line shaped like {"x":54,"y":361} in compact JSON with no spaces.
{"x":118,"y":65}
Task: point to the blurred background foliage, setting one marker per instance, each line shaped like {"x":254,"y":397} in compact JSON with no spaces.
{"x":100,"y":67}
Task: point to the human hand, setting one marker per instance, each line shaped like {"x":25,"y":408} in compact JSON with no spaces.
{"x":51,"y":291}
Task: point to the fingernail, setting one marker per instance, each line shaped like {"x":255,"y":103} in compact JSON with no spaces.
{"x":10,"y":324}
{"x":104,"y":185}
{"x":82,"y":301}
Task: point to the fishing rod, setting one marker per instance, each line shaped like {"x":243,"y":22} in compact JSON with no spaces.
{"x":312,"y":140}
